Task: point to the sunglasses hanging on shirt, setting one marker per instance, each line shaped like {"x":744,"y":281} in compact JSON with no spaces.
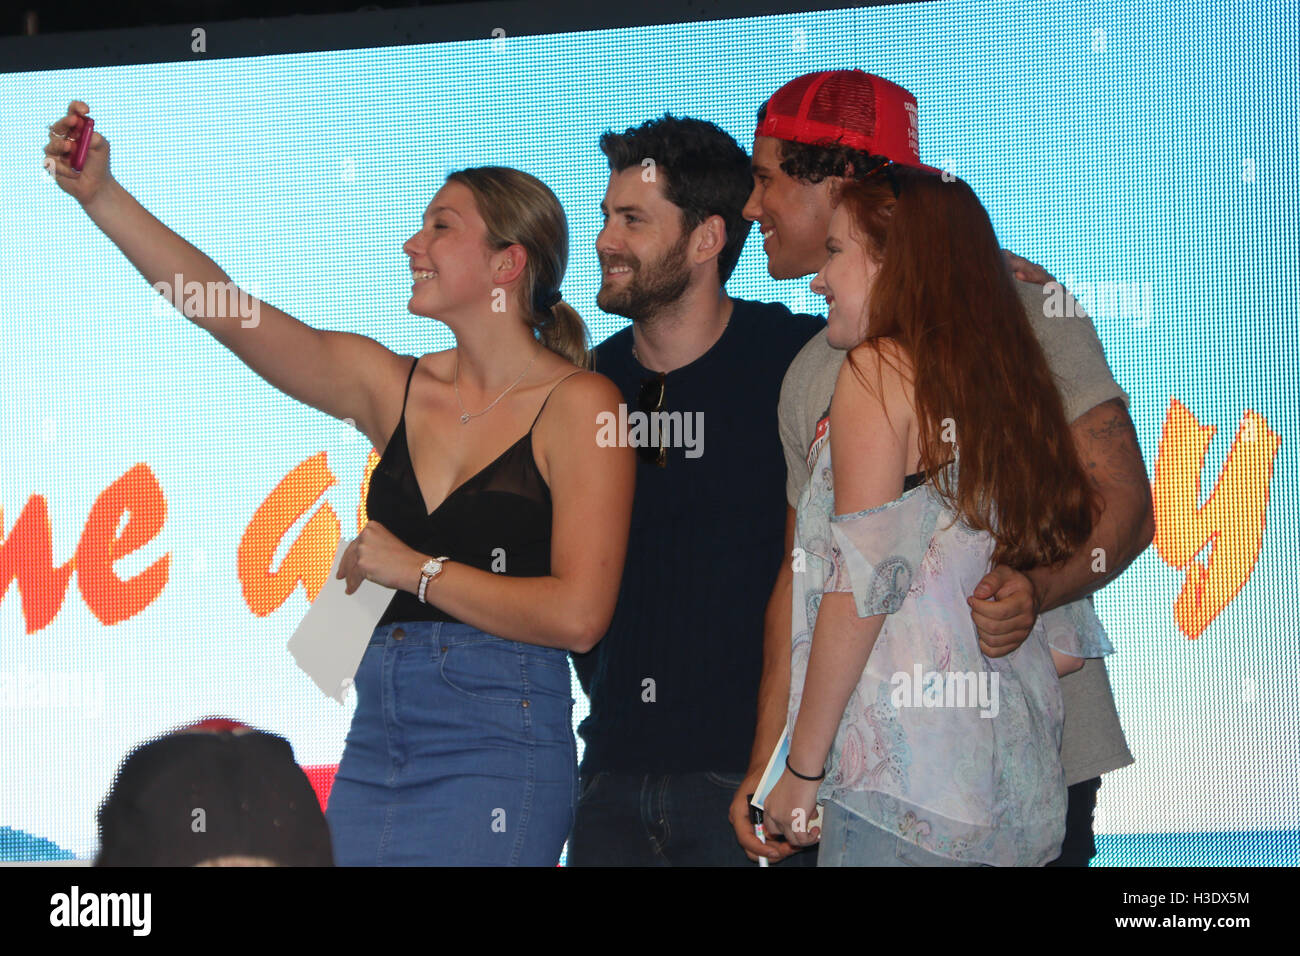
{"x":651,"y":400}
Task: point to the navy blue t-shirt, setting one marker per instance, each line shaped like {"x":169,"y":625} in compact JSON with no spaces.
{"x":674,"y":682}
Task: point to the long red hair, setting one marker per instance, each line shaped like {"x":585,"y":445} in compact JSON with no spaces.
{"x":945,"y":294}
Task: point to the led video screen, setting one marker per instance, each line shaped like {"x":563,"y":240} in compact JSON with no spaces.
{"x":166,"y":516}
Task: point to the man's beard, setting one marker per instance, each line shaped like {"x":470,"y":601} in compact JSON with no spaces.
{"x":651,"y":289}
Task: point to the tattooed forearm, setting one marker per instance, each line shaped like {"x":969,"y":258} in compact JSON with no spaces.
{"x":1108,"y":450}
{"x":1111,"y":456}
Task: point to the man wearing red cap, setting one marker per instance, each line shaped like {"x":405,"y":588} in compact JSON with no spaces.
{"x":814,"y":133}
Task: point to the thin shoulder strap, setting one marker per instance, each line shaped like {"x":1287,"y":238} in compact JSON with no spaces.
{"x":409,"y":375}
{"x":548,"y":394}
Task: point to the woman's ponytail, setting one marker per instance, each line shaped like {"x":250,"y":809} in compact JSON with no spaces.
{"x":519,"y":208}
{"x":561,"y":329}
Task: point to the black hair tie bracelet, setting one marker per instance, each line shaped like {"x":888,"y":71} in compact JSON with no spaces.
{"x":820,"y":776}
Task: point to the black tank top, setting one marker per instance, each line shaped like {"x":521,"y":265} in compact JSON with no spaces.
{"x":497,"y":520}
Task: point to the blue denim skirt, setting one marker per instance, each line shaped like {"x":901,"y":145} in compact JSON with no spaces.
{"x":460,"y":753}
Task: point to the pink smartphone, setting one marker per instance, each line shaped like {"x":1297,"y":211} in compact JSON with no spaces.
{"x":80,"y":142}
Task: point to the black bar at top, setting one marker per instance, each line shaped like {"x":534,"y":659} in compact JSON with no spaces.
{"x":226,"y":39}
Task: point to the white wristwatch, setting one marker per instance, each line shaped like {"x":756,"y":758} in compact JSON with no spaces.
{"x":428,"y":571}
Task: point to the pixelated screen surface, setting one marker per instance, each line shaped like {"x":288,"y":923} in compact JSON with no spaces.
{"x":1122,"y":145}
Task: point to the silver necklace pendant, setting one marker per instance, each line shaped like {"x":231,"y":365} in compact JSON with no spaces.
{"x":465,"y":415}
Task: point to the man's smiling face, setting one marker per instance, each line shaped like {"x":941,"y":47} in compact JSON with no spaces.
{"x":793,"y":216}
{"x":642,"y":248}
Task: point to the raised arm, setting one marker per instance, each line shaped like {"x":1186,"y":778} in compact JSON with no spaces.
{"x":339,"y":373}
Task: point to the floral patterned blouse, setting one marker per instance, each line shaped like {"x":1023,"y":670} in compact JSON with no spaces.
{"x":954,"y":752}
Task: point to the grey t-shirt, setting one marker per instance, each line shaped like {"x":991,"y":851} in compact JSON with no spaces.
{"x":1092,"y":741}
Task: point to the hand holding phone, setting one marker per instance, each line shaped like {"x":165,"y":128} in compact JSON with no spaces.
{"x":80,"y":136}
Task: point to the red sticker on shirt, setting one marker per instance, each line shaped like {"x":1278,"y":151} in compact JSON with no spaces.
{"x":819,"y":439}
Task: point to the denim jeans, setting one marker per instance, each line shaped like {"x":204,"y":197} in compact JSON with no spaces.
{"x":640,"y":819}
{"x":461,"y":752}
{"x":848,"y":840}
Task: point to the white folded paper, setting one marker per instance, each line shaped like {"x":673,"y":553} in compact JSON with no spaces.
{"x":331,"y":639}
{"x":776,"y":767}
